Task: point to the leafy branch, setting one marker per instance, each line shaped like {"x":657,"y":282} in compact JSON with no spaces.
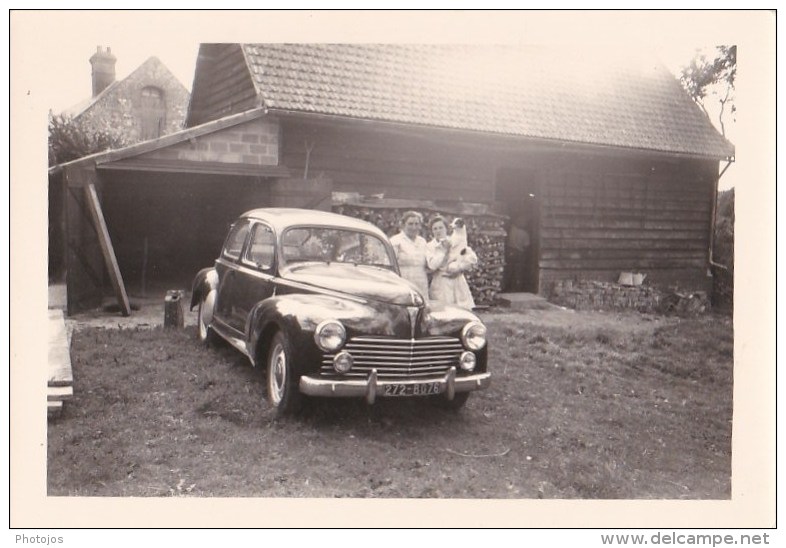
{"x":713,"y":75}
{"x":71,"y":138}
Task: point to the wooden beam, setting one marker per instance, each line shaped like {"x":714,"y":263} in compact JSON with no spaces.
{"x":59,"y":393}
{"x":106,"y":248}
{"x":192,"y":166}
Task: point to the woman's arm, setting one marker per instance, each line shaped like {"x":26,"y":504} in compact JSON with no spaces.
{"x":436,"y":255}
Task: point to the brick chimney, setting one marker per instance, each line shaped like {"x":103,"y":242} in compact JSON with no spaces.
{"x":103,"y":63}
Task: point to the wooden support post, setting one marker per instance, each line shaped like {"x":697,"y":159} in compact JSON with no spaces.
{"x":106,"y":248}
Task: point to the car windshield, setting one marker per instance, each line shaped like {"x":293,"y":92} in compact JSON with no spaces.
{"x":334,"y":245}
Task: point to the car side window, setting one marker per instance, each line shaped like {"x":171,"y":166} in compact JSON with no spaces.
{"x":233,"y":246}
{"x":262,"y":249}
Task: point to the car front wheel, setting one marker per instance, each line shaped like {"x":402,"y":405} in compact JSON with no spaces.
{"x":282,"y":391}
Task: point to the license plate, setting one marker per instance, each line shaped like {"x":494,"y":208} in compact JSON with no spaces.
{"x":423,"y":389}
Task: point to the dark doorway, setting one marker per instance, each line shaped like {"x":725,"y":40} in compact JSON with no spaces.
{"x":167,"y":226}
{"x":519,"y":190}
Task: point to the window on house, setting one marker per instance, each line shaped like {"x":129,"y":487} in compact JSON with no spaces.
{"x":153,"y":113}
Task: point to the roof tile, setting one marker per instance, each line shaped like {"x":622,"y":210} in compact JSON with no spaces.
{"x":532,"y":92}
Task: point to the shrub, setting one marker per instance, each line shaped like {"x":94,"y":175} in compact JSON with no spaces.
{"x":723,"y":252}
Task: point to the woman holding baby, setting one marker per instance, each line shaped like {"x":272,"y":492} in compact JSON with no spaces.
{"x":448,"y":257}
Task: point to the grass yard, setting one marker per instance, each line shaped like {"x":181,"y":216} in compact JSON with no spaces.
{"x":582,"y":406}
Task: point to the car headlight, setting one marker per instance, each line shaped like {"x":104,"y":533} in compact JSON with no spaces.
{"x":330,"y":335}
{"x":342,"y":363}
{"x":473,"y":336}
{"x":467,"y":361}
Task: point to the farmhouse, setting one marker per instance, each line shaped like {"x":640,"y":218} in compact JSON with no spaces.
{"x":148,"y":103}
{"x":612,"y":165}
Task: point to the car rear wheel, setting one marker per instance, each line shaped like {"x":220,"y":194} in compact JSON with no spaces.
{"x":204,"y":316}
{"x":282,"y":390}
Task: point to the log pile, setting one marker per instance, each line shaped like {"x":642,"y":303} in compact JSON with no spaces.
{"x":485,"y":235}
{"x":596,"y":295}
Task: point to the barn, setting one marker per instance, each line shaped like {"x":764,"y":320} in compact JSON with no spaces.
{"x":613,"y":166}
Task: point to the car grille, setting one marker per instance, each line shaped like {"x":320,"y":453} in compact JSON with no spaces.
{"x":398,"y":358}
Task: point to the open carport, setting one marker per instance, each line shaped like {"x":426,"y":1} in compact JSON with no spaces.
{"x":143,"y":219}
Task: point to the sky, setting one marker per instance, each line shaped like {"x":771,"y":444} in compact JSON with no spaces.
{"x":136,"y":36}
{"x":63,"y":41}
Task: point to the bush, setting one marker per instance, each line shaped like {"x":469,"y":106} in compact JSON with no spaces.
{"x":70,"y":139}
{"x":723,"y":252}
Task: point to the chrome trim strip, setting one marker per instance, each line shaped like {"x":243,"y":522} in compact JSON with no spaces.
{"x":377,"y":341}
{"x":387,"y":368}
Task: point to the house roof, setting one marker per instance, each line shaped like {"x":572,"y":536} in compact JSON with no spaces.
{"x":534,"y":92}
{"x":83,"y":106}
{"x":78,"y":109}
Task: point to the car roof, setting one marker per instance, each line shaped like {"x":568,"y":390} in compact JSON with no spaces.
{"x":283,"y":217}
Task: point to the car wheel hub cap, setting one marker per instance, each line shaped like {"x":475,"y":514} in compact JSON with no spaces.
{"x":278,"y":376}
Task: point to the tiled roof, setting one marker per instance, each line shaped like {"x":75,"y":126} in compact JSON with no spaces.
{"x":531,"y":92}
{"x":80,"y":108}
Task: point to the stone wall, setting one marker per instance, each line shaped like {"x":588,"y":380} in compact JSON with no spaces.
{"x":594,"y":295}
{"x":120,"y":105}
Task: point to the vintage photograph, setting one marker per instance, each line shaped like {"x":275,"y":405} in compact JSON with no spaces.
{"x":400,"y":269}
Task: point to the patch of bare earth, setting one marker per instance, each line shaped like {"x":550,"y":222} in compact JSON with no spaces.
{"x":582,"y":405}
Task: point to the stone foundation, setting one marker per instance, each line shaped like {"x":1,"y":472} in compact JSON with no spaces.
{"x":594,"y":295}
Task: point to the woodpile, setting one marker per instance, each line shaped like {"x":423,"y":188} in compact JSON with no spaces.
{"x":685,"y":303}
{"x":485,"y":234}
{"x":596,"y":295}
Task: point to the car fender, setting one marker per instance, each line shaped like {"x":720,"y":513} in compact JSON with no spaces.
{"x":298,"y":315}
{"x":205,"y":281}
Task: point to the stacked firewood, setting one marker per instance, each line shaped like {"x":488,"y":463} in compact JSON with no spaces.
{"x":485,"y":235}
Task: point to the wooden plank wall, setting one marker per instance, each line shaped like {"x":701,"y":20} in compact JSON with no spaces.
{"x":398,"y":164}
{"x":601,"y":218}
{"x":601,"y":213}
{"x":223,"y":84}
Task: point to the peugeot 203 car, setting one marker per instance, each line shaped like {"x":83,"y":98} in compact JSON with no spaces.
{"x":316,"y":300}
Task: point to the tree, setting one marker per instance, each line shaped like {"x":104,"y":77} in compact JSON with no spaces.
{"x":713,"y":74}
{"x":70,"y":139}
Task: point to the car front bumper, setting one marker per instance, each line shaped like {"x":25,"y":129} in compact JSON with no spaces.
{"x":372,"y":386}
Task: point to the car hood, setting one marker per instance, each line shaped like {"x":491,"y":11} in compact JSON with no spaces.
{"x":373,"y":283}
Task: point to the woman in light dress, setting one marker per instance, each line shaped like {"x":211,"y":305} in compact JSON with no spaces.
{"x":448,"y":257}
{"x":410,"y":248}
